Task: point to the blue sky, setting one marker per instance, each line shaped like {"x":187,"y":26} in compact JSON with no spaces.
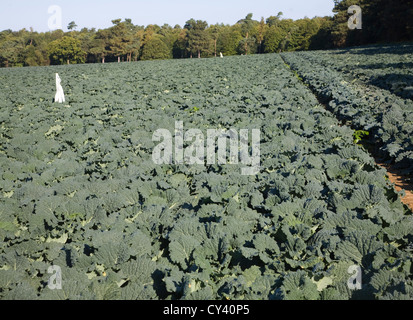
{"x":18,"y":14}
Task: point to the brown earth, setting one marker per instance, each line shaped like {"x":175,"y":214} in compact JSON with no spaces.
{"x":400,"y":183}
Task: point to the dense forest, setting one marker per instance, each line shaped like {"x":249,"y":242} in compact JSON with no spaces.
{"x":382,"y":21}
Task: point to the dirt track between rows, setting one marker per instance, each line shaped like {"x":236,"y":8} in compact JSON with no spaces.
{"x":400,"y":184}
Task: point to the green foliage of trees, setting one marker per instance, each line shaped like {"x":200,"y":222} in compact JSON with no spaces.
{"x":10,"y":48}
{"x":66,"y":50}
{"x":199,"y":40}
{"x":229,"y":39}
{"x":383,"y":21}
{"x":272,"y":39}
{"x":155,"y":49}
{"x":72,"y":26}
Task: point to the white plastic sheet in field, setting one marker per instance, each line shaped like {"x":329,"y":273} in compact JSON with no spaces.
{"x":60,"y":95}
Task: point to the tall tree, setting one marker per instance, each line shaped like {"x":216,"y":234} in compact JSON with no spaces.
{"x":322,"y":40}
{"x":301,"y":38}
{"x":272,"y":39}
{"x":120,"y":39}
{"x":247,"y":26}
{"x":31,"y":56}
{"x":199,"y":40}
{"x":170,"y":36}
{"x":179,"y":49}
{"x":66,"y":50}
{"x":229,"y":39}
{"x":340,"y":30}
{"x":156,"y":49}
{"x":72,"y":26}
{"x":213,"y":31}
{"x":261,"y":29}
{"x":11,"y":47}
{"x":132,"y":38}
{"x":288,"y":28}
{"x":274,"y":20}
{"x":100,"y":45}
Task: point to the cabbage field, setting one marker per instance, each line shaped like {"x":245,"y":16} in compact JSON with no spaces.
{"x":86,"y":212}
{"x":368,"y":88}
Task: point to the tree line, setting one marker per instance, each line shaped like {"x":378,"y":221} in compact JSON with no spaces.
{"x":383,"y":21}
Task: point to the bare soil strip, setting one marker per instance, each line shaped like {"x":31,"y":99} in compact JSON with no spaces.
{"x":400,"y":183}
